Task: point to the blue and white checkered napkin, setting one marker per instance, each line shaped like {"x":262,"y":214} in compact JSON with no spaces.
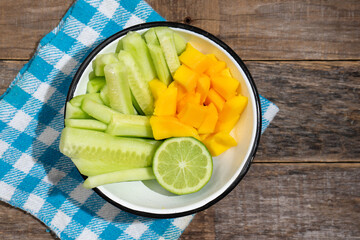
{"x":34,"y":175}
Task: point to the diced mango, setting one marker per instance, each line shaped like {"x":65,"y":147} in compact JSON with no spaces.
{"x":218,"y":143}
{"x":181,"y":90}
{"x":166,"y":103}
{"x":212,"y":56}
{"x":188,"y":98}
{"x":210,"y":120}
{"x":202,"y":87}
{"x":226,"y":72}
{"x":230,"y":113}
{"x":192,"y":114}
{"x":166,"y":127}
{"x":203,"y":136}
{"x":157,"y":87}
{"x":225,"y":86}
{"x":195,"y":60}
{"x":216,"y":99}
{"x":215,"y":68}
{"x":186,"y":78}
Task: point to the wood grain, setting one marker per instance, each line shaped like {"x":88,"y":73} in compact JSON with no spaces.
{"x":286,"y":30}
{"x":23,"y":23}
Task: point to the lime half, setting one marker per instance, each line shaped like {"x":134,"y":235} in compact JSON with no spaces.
{"x":182,"y":165}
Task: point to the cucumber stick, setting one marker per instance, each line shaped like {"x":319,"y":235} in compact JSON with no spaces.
{"x":130,"y":126}
{"x":104,"y":95}
{"x":95,"y":152}
{"x":180,"y":43}
{"x":90,"y":124}
{"x":101,"y":60}
{"x":97,"y":110}
{"x":119,"y":46}
{"x":138,"y":85}
{"x":161,"y":67}
{"x":150,"y":37}
{"x":118,"y":88}
{"x":136,"y":105}
{"x":95,"y":85}
{"x":135,"y":174}
{"x":134,"y":44}
{"x":75,"y":112}
{"x":77,"y":100}
{"x":166,"y":39}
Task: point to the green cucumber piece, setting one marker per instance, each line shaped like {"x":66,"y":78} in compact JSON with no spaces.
{"x":180,"y":43}
{"x":134,"y":44}
{"x":97,"y":110}
{"x":101,"y":60}
{"x":75,"y":112}
{"x":138,"y":85}
{"x":92,"y":75}
{"x":95,"y":152}
{"x":104,"y":95}
{"x":119,"y":46}
{"x":150,"y":37}
{"x":166,"y":39}
{"x":77,"y":100}
{"x":95,"y":85}
{"x":136,"y":105}
{"x":90,"y":124}
{"x":159,"y":61}
{"x":134,"y":174}
{"x":130,"y":126}
{"x":118,"y":88}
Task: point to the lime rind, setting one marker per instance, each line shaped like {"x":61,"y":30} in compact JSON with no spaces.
{"x":182,"y":165}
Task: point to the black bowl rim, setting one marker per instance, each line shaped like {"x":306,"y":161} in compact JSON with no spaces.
{"x":197,"y":30}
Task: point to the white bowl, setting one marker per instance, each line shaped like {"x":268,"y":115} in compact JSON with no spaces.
{"x":148,"y":198}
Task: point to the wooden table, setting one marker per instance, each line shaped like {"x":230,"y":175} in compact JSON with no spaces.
{"x":305,"y":57}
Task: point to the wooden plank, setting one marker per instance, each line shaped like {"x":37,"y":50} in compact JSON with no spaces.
{"x":319,"y":118}
{"x":274,"y":29}
{"x":23,"y":23}
{"x":277,"y":201}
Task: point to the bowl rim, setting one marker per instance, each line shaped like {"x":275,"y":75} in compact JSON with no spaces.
{"x":238,"y":60}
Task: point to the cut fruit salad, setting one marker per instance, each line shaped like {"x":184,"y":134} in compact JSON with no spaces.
{"x":155,"y":87}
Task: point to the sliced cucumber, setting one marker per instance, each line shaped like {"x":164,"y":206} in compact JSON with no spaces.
{"x":180,"y":43}
{"x":134,"y":174}
{"x":134,"y":44}
{"x":119,"y":46}
{"x":130,"y":126}
{"x":159,"y":61}
{"x":118,"y":88}
{"x":90,"y":124}
{"x":92,"y":75}
{"x":136,"y":105}
{"x":101,"y":60}
{"x":77,"y":100}
{"x":150,"y":37}
{"x":166,"y":39}
{"x":75,"y":112}
{"x":97,"y":110}
{"x":95,"y":152}
{"x":95,"y":85}
{"x":104,"y":95}
{"x":138,"y":85}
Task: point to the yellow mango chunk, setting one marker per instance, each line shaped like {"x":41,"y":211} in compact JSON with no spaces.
{"x":166,"y":127}
{"x":218,"y":143}
{"x":186,"y":78}
{"x":215,"y":68}
{"x":192,"y":114}
{"x":181,"y":90}
{"x":195,"y":60}
{"x":166,"y":103}
{"x":230,"y":113}
{"x":226,"y":72}
{"x":157,"y":87}
{"x":203,"y":136}
{"x":202,"y":87}
{"x":225,"y":86}
{"x":188,"y":98}
{"x":210,"y":120}
{"x":216,"y":99}
{"x":212,"y":57}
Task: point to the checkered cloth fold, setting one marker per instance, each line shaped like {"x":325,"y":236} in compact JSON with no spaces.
{"x":34,"y":175}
